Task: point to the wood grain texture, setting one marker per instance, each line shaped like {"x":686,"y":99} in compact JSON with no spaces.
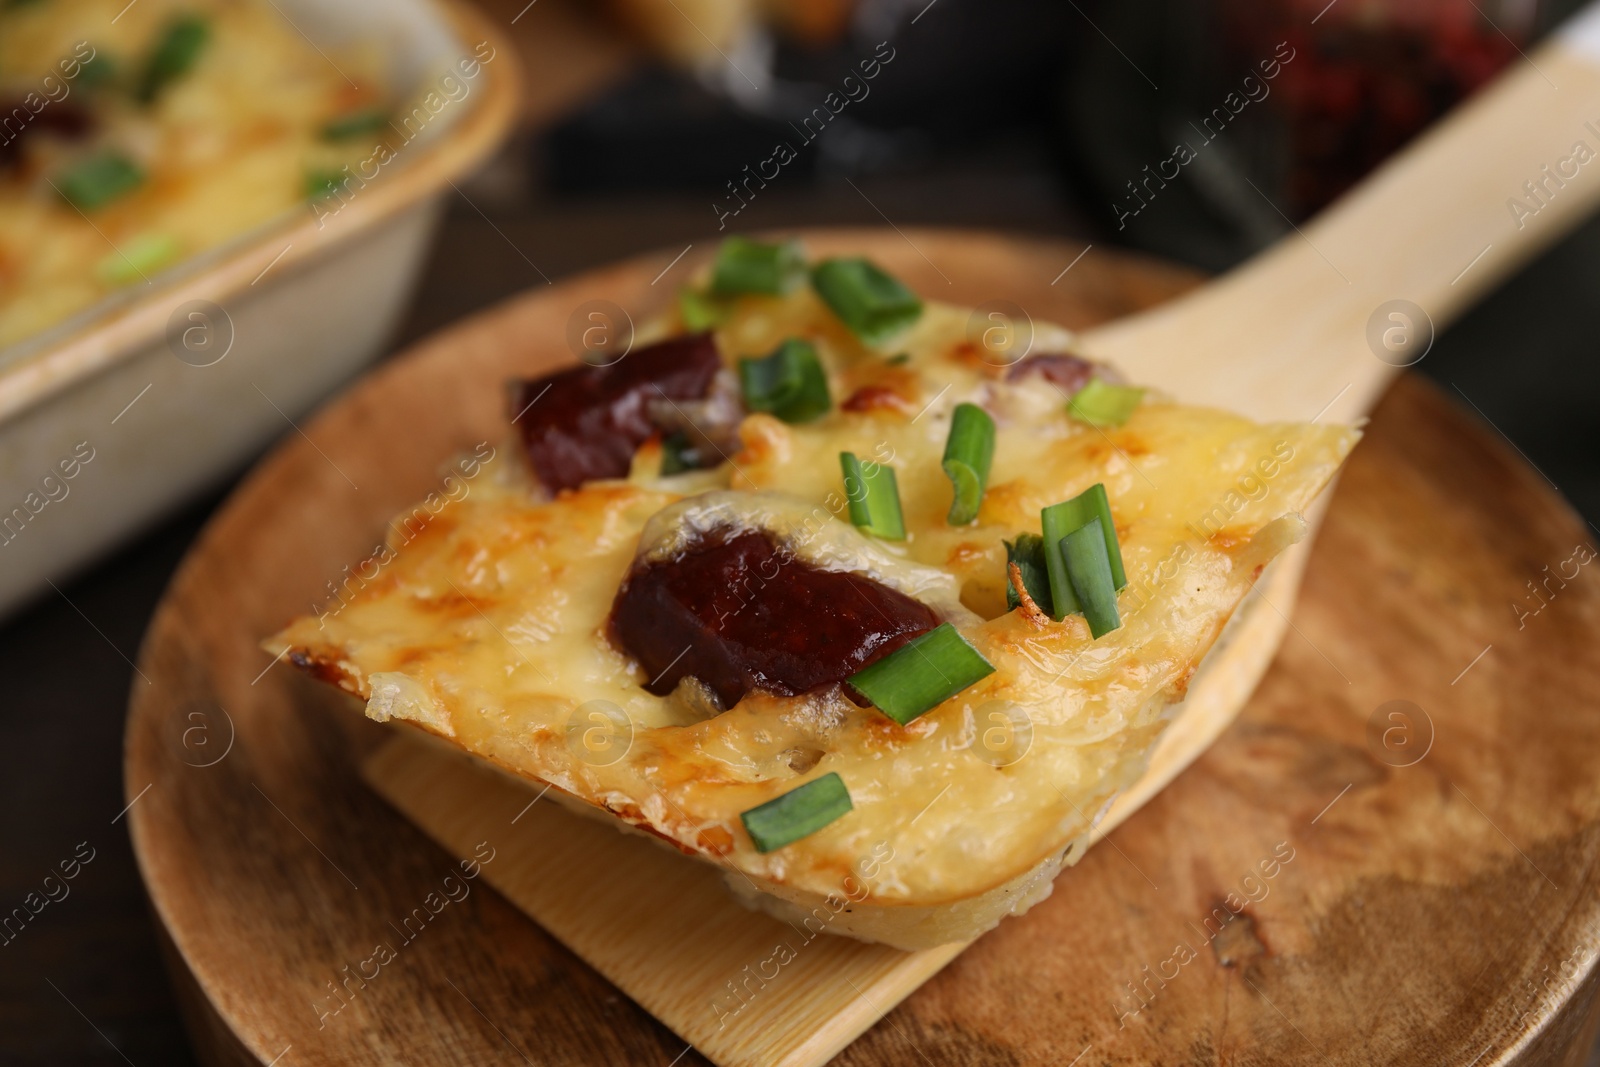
{"x":693,"y":957}
{"x":1432,"y":913}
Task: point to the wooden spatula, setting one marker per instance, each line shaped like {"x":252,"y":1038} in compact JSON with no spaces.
{"x":1312,"y":328}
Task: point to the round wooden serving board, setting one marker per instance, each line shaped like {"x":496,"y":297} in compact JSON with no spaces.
{"x":1339,"y":880}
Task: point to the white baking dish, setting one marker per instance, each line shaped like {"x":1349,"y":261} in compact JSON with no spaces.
{"x":125,"y":410}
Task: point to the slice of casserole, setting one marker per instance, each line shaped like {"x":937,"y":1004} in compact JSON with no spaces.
{"x":844,"y":592}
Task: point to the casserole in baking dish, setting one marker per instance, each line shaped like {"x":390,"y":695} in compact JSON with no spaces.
{"x":205,"y":305}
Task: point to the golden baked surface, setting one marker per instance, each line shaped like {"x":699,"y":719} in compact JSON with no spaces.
{"x":484,"y":620}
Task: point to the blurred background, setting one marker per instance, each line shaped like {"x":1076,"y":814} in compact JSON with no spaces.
{"x":1025,"y":116}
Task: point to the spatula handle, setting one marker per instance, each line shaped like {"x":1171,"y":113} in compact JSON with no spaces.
{"x":1316,"y":321}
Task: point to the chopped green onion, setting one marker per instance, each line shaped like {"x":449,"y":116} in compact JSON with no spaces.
{"x":678,"y":454}
{"x":98,"y":72}
{"x":1100,"y":404}
{"x":899,"y":360}
{"x":789,"y":383}
{"x":137,"y":258}
{"x":97,"y":181}
{"x":874,"y":305}
{"x":174,"y":54}
{"x":1058,"y":520}
{"x":746,"y":266}
{"x":700,"y":311}
{"x":921,"y":674}
{"x":321,"y":184}
{"x":1089,"y":569}
{"x":967,"y":455}
{"x":355,"y":124}
{"x":799,"y":813}
{"x":1027,"y":552}
{"x":1089,"y":509}
{"x":874,"y":497}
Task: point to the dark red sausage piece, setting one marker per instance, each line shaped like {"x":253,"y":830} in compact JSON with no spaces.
{"x":63,"y":118}
{"x":739,"y":613}
{"x":590,"y":420}
{"x":1069,"y":373}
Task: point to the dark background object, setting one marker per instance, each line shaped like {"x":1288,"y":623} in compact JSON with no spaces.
{"x":83,"y":983}
{"x":660,"y":130}
{"x":940,"y":89}
{"x":1284,"y":103}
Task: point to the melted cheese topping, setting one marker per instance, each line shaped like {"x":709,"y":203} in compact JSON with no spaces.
{"x":488,"y":627}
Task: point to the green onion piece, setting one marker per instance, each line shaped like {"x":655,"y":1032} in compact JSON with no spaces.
{"x":1057,"y":521}
{"x":98,"y":72}
{"x":355,"y":124}
{"x":872,"y":304}
{"x":1089,"y":569}
{"x":899,"y":360}
{"x":700,"y":311}
{"x":799,"y":813}
{"x":321,"y":184}
{"x":174,"y":54}
{"x":874,"y":497}
{"x":1079,"y":586}
{"x":746,"y":266}
{"x":967,"y":455}
{"x":789,"y":383}
{"x":1099,"y":404}
{"x":1063,"y":601}
{"x":137,"y":258}
{"x":678,"y":454}
{"x":1027,"y":552}
{"x":921,"y":674}
{"x":97,"y":181}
